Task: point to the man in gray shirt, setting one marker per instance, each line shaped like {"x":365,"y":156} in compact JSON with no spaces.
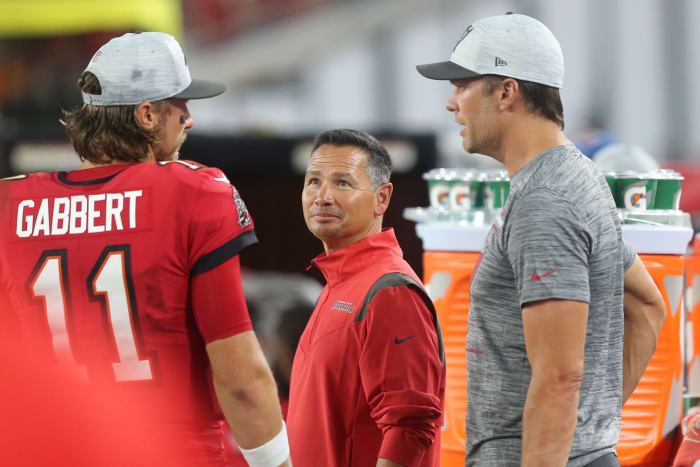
{"x":564,"y":317}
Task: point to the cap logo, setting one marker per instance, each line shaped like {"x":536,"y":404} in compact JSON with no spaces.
{"x":99,"y":52}
{"x":463,"y":35}
{"x":501,"y":62}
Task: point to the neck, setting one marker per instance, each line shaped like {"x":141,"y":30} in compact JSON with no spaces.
{"x":107,"y":161}
{"x":91,"y":165}
{"x":527,"y":137}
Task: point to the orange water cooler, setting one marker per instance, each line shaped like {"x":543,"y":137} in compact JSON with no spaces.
{"x":451,"y":252}
{"x":692,"y":305}
{"x":653,"y":412}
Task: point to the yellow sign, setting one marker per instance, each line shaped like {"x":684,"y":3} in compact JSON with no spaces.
{"x":41,"y":18}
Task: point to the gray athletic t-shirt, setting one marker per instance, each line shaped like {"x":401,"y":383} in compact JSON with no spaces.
{"x":558,"y":237}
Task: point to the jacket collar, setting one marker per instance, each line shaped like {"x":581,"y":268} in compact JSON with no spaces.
{"x":351,"y":260}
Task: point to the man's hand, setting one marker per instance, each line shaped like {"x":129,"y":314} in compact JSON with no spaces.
{"x":555,"y":338}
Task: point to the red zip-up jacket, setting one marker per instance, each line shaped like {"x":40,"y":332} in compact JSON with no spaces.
{"x":368,"y":379}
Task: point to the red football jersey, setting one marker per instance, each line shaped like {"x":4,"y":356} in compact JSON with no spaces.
{"x":96,"y":267}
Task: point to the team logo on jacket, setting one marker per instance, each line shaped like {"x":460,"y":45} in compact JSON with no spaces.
{"x":342,"y":305}
{"x":243,"y":216}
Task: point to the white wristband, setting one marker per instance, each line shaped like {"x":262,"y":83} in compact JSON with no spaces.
{"x":270,"y":454}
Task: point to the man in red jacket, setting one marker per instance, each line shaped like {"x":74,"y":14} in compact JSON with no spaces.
{"x":368,"y":380}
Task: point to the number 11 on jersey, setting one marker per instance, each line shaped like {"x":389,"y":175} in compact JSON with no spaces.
{"x":110,"y":281}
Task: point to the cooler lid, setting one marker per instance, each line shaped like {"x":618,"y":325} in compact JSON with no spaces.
{"x":657,"y":240}
{"x":449,"y":236}
{"x":644,"y":239}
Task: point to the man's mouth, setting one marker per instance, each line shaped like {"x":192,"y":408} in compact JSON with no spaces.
{"x":324,"y":215}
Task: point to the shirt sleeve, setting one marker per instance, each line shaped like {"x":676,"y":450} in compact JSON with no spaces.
{"x":402,"y":373}
{"x":218,"y":302}
{"x":549,"y":247}
{"x":628,"y":255}
{"x":220,"y":224}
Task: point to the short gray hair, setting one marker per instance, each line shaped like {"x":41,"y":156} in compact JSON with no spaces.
{"x":541,"y":99}
{"x":378,"y":160}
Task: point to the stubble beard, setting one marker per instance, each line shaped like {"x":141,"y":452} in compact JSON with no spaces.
{"x":488,"y":140}
{"x":171,"y":153}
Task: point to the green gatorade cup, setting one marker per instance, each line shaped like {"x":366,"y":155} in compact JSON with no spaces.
{"x":439,"y":188}
{"x":668,"y":190}
{"x":464,"y":191}
{"x":482,"y":183}
{"x":498,"y":187}
{"x":635,"y":191}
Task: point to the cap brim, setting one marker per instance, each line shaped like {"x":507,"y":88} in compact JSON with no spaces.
{"x":200,"y":89}
{"x":445,"y":70}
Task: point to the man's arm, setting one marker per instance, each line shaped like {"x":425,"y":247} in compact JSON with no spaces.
{"x":402,"y":374}
{"x":644,"y":315}
{"x":245,"y":389}
{"x":555,"y":337}
{"x":243,"y":382}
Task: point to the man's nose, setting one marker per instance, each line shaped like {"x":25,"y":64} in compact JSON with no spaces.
{"x":451,"y":104}
{"x":186,"y":119}
{"x":324,"y":195}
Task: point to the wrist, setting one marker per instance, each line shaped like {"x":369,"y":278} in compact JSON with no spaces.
{"x":272,"y":453}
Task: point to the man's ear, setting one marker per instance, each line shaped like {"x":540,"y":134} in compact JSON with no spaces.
{"x":383,"y":196}
{"x":146,"y":115}
{"x":509,"y":91}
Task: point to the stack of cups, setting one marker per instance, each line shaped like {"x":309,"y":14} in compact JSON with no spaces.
{"x":439,"y":191}
{"x":644,"y":191}
{"x":466,"y":195}
{"x":497,"y":189}
{"x":668,"y":191}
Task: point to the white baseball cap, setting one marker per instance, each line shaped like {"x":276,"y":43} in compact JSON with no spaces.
{"x":515,"y":46}
{"x":145,"y":66}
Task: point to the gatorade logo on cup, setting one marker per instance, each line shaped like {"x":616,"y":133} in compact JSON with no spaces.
{"x":460,"y":196}
{"x":635,"y":196}
{"x":440,"y":194}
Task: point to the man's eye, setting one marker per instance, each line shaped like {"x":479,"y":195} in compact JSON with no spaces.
{"x":343,"y":183}
{"x":312,"y":181}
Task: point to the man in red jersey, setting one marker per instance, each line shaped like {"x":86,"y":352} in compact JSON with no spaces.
{"x":127,"y":269}
{"x":368,"y":379}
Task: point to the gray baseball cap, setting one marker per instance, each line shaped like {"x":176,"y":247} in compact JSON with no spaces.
{"x":146,"y":66}
{"x":515,"y":46}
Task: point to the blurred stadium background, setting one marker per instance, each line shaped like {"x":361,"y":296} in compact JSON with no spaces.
{"x":295,"y":67}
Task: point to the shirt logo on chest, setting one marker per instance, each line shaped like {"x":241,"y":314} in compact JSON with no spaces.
{"x":342,"y":305}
